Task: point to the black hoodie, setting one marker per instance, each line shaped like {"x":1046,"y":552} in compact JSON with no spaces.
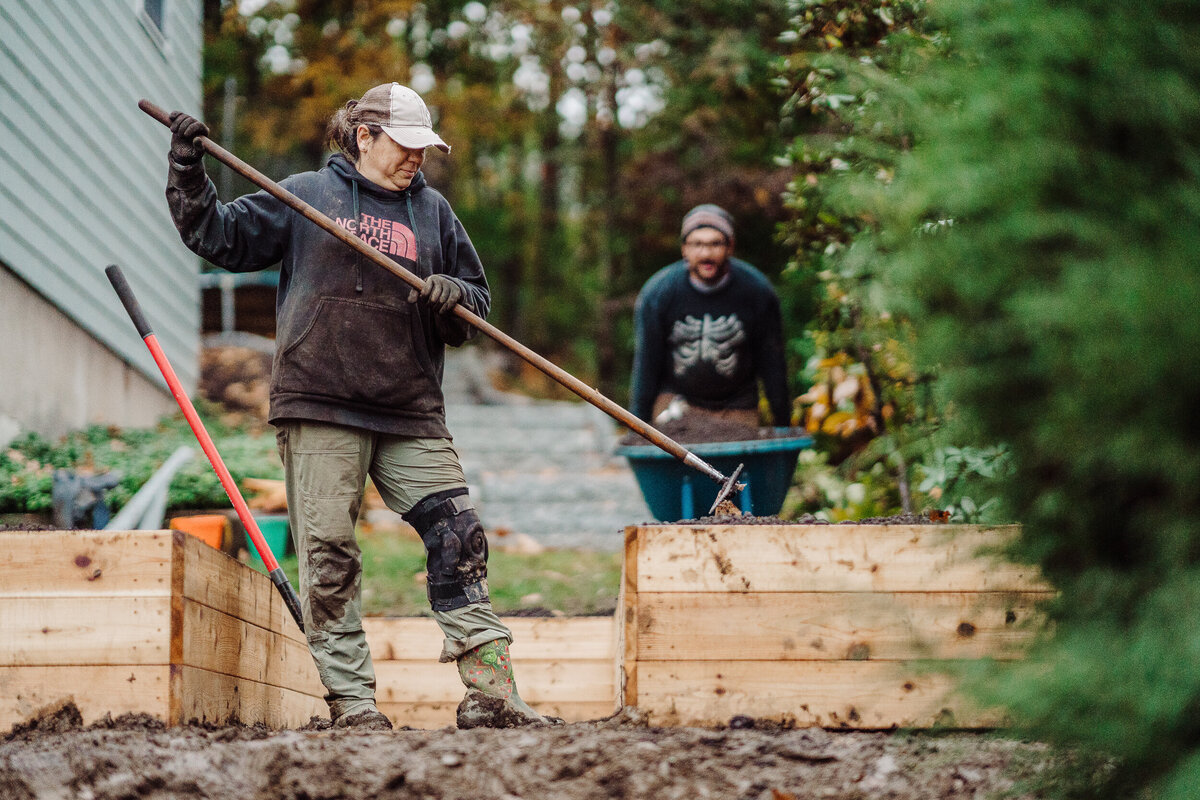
{"x":350,"y":349}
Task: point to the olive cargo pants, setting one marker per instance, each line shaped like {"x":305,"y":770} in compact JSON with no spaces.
{"x":325,"y":468}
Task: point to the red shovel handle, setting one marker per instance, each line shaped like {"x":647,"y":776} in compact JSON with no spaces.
{"x":274,"y":571}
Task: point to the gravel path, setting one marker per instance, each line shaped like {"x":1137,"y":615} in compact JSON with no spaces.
{"x":545,"y":469}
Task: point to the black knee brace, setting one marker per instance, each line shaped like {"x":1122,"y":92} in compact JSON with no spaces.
{"x":456,"y":547}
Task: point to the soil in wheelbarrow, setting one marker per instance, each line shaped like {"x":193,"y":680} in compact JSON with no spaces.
{"x":137,"y":757}
{"x":706,"y":429}
{"x":809,"y":519}
{"x":699,"y":429}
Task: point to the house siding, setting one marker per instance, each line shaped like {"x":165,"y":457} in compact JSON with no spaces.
{"x":82,"y":174}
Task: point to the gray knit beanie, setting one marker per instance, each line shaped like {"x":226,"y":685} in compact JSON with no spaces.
{"x":708,"y":216}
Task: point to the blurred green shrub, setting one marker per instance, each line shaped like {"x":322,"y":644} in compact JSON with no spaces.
{"x":1046,"y":226}
{"x":246,"y":446}
{"x":848,"y":100}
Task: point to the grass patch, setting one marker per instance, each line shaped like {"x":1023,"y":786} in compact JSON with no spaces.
{"x":573,"y":582}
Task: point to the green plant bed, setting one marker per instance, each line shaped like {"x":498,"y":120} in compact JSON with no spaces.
{"x":573,"y":582}
{"x":247,"y":447}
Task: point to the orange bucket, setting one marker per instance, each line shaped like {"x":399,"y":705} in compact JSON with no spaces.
{"x":208,"y":528}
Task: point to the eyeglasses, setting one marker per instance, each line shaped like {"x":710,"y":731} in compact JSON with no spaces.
{"x":719,"y":244}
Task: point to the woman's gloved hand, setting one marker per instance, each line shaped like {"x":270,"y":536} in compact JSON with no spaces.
{"x":184,"y":130}
{"x":440,"y":293}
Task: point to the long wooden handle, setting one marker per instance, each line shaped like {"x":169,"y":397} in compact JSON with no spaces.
{"x":588,"y":393}
{"x":117,"y":278}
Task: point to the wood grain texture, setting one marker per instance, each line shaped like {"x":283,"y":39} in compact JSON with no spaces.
{"x":843,"y":694}
{"x":222,"y":583}
{"x":563,"y":666}
{"x":827,"y":626}
{"x":146,"y":621}
{"x":537,"y":681}
{"x":627,"y":610}
{"x":830,"y":558}
{"x":27,"y":691}
{"x":60,"y":631}
{"x":214,"y":697}
{"x":219,"y":642}
{"x":85,"y":563}
{"x":540,"y":638}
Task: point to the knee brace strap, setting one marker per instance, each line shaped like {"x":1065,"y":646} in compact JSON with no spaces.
{"x":456,"y":547}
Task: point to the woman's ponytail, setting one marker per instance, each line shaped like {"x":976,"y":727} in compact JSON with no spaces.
{"x":342,"y":132}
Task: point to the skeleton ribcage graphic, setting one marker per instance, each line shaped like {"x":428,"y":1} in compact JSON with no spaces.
{"x":714,"y":340}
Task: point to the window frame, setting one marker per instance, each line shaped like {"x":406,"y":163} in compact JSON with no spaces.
{"x":157,"y":31}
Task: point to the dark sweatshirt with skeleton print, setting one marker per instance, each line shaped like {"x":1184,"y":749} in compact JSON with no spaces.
{"x":712,"y":347}
{"x":350,"y":349}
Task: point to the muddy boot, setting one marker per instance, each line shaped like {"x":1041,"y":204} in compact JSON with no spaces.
{"x":369,"y":719}
{"x":492,"y":700}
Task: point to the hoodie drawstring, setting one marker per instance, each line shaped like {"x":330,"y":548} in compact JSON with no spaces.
{"x":358,"y":223}
{"x":412,"y":223}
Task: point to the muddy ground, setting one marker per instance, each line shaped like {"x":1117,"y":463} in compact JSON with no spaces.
{"x":137,"y":757}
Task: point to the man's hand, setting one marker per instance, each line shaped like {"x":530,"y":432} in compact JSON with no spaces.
{"x":440,"y":293}
{"x":184,"y":130}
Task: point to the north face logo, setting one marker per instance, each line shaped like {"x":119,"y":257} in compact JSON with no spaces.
{"x":385,"y":235}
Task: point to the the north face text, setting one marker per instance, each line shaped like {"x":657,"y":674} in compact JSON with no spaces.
{"x":385,"y":235}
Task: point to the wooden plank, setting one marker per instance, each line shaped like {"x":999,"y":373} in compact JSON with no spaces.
{"x":563,"y":666}
{"x":96,"y":690}
{"x":543,"y":638}
{"x":857,"y":626}
{"x":441,"y":715}
{"x":828,"y":558}
{"x":85,"y":563}
{"x":221,"y":643}
{"x":538,"y":681}
{"x":627,"y":608}
{"x":843,"y":694}
{"x":72,"y":630}
{"x":222,"y":583}
{"x":213,"y":697}
{"x":425,"y":716}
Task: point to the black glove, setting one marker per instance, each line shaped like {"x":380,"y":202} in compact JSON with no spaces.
{"x":184,"y":130}
{"x":440,"y":293}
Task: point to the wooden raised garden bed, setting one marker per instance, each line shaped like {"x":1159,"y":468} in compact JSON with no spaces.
{"x":154,"y":622}
{"x":830,"y":625}
{"x":157,"y":622}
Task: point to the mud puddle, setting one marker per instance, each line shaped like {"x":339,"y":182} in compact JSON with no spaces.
{"x":137,"y":757}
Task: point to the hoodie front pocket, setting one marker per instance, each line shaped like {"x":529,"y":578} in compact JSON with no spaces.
{"x":361,"y":354}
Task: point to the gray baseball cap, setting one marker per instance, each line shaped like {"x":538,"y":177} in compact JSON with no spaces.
{"x":402,"y":114}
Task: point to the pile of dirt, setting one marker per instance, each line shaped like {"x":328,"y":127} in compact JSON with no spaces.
{"x":25,"y":525}
{"x":700,"y":429}
{"x":618,"y":757}
{"x":236,"y":376}
{"x":809,"y":519}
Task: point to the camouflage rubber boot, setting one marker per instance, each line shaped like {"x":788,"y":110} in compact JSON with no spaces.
{"x":492,"y":700}
{"x":368,"y":719}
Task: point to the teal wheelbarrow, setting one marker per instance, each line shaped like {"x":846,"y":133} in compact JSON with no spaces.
{"x":673,"y":493}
